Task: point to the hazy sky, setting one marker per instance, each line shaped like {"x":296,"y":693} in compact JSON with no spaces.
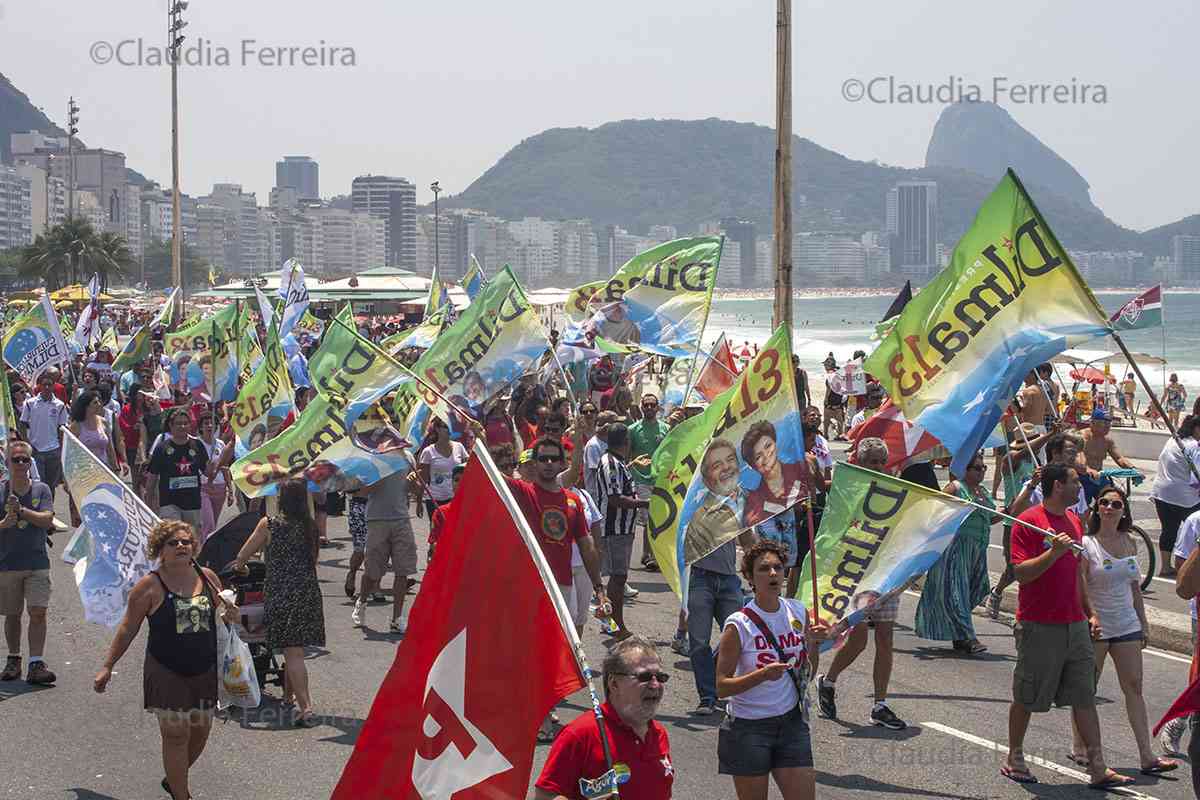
{"x":442,"y":90}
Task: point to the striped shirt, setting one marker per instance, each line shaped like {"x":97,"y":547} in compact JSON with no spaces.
{"x":613,"y":479}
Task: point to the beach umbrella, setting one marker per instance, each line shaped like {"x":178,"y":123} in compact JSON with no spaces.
{"x":1091,"y":375}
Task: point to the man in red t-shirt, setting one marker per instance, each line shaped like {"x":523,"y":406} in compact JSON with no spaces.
{"x":641,"y":752}
{"x":1055,"y":661}
{"x":557,"y":519}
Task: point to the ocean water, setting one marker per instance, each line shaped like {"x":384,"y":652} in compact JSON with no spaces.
{"x":841,"y":325}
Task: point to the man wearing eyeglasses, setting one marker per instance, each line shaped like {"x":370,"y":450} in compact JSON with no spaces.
{"x":645,"y":436}
{"x":24,"y":563}
{"x":634,"y":682}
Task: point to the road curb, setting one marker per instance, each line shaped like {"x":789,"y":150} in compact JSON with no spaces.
{"x":1169,"y":630}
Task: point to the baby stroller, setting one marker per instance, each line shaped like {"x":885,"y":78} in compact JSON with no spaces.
{"x":219,"y":550}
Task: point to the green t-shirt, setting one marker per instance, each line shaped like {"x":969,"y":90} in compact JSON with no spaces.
{"x":644,"y":440}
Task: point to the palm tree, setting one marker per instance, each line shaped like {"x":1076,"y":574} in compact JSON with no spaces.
{"x":72,"y":250}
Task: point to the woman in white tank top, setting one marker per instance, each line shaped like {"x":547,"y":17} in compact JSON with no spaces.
{"x":1113,"y":602}
{"x":766,"y":732}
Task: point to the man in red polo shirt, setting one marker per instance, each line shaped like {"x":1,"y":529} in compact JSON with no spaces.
{"x":1055,"y":661}
{"x":641,"y":753}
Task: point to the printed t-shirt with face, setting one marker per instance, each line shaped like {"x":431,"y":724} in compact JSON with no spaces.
{"x":1053,"y":598}
{"x":179,"y":468}
{"x":770,"y":698}
{"x":557,"y":520}
{"x":1185,"y":545}
{"x":820,"y":450}
{"x":441,"y":469}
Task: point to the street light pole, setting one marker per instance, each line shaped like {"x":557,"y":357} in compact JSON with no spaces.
{"x":783,"y":165}
{"x":437,"y":228}
{"x":72,"y":129}
{"x":175,"y":26}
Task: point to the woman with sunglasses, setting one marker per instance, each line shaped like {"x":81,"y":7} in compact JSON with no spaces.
{"x":1117,"y":616}
{"x":179,"y":684}
{"x":766,"y":732}
{"x":959,"y":580}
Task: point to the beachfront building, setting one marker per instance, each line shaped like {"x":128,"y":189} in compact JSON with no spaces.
{"x":912,"y":225}
{"x":832,"y":259}
{"x":16,"y":209}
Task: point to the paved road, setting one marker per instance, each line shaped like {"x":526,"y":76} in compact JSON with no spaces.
{"x":67,"y":742}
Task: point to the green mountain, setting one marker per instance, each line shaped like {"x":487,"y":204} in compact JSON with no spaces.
{"x":19,"y":115}
{"x":637,"y":173}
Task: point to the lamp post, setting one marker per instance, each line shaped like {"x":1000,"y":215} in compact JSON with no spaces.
{"x":72,"y":129}
{"x":175,"y":26}
{"x":783,"y":164}
{"x":437,"y":227}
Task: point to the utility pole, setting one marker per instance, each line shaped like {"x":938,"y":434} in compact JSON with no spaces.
{"x":175,"y":26}
{"x":783,"y":164}
{"x":72,"y":129}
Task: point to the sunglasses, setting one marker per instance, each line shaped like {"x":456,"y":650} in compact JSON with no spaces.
{"x":1110,"y":503}
{"x":21,"y":459}
{"x":549,"y":459}
{"x":587,"y":411}
{"x":649,"y":406}
{"x":645,"y":676}
{"x":178,"y":543}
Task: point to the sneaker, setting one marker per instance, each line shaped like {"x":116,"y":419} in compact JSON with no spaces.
{"x":826,"y":698}
{"x":12,"y":669}
{"x":679,"y":644}
{"x":882,"y":715}
{"x":396,"y":626}
{"x":705,"y":709}
{"x":360,"y":611}
{"x":993,"y":605}
{"x":630,"y":592}
{"x":1171,"y":736}
{"x":379,"y":597}
{"x":39,"y":674}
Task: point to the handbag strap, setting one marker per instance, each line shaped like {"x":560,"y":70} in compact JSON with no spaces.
{"x":770,"y":637}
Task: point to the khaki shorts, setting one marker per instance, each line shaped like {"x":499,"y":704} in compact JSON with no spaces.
{"x":24,"y":588}
{"x":1056,"y":665}
{"x":615,"y":552}
{"x":195,"y":518}
{"x":390,"y":538}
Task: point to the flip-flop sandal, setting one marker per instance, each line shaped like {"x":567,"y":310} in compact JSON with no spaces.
{"x":974,"y":647}
{"x":1112,"y":780}
{"x":1020,"y":776}
{"x":1079,"y":761}
{"x":1160,"y":766}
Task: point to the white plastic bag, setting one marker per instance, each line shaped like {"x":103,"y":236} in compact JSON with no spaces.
{"x":237,"y":683}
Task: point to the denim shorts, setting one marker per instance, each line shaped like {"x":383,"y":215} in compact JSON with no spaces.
{"x":747,"y":747}
{"x":1136,"y":636}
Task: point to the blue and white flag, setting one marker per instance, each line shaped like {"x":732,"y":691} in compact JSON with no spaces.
{"x":109,"y":549}
{"x":294,"y":292}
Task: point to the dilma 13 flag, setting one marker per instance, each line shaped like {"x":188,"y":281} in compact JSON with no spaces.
{"x":877,"y":534}
{"x":1009,"y":300}
{"x":1143,"y":311}
{"x":34,"y":342}
{"x":458,"y":713}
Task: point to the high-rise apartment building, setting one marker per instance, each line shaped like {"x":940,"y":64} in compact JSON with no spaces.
{"x":243,"y":252}
{"x":300,"y":173}
{"x":739,"y":233}
{"x":832,"y":259}
{"x":16,"y":209}
{"x":48,"y":197}
{"x":393,"y":200}
{"x":1185,"y":252}
{"x":912,"y":217}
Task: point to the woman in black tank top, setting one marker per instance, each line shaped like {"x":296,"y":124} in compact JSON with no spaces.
{"x":180,"y":676}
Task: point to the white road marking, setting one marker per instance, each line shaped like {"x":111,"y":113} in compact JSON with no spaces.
{"x":1169,"y":656}
{"x":1034,"y":760}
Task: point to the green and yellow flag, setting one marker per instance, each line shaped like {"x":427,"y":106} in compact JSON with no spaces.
{"x":1009,"y":300}
{"x":137,"y":349}
{"x":34,"y":342}
{"x":264,"y":400}
{"x":658,"y":301}
{"x":738,"y":464}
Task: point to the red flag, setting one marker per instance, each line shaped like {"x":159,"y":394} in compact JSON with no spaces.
{"x":484,"y":661}
{"x":719,"y":372}
{"x":903,"y":439}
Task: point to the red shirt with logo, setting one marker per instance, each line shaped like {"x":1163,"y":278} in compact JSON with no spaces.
{"x":1054,"y":597}
{"x":557,"y":521}
{"x":643,"y":766}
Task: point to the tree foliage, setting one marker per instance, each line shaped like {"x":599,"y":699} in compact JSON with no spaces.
{"x":71,"y":251}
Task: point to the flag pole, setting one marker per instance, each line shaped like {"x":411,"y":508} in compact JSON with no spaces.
{"x":563,"y":373}
{"x":1155,"y":402}
{"x":560,"y":605}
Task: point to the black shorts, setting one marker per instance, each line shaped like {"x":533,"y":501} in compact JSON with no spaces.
{"x":748,"y":747}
